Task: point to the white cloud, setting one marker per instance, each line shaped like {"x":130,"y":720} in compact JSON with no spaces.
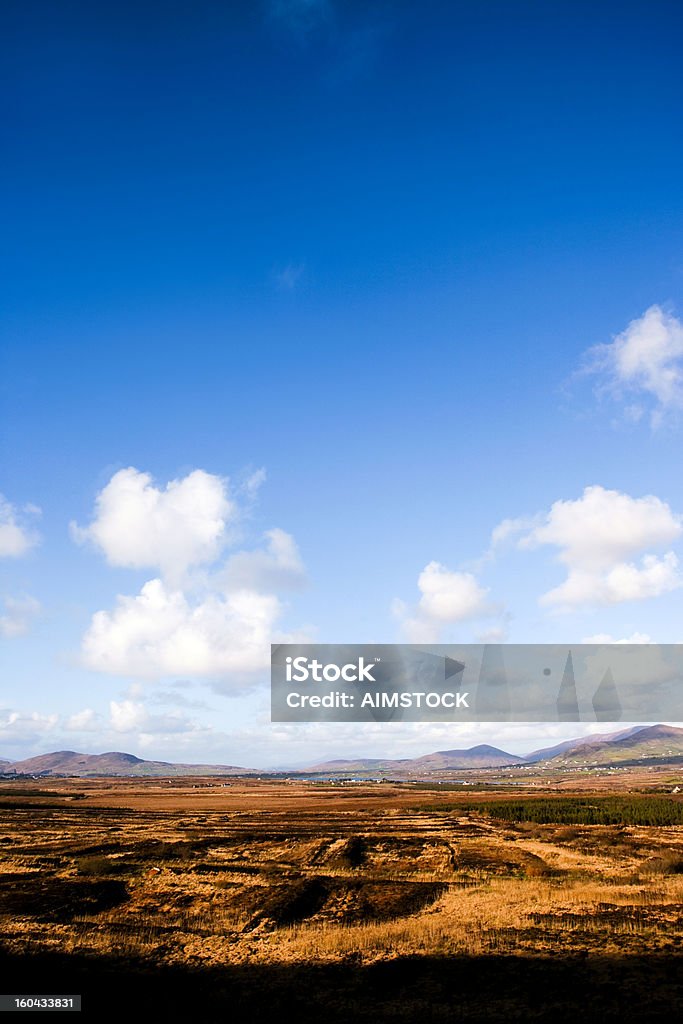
{"x":138,"y":525}
{"x":86,"y":720}
{"x":16,"y":537}
{"x":196,"y":619}
{"x":279,"y":566}
{"x":25,"y":727}
{"x":129,"y":716}
{"x":625,"y":582}
{"x":447,"y":597}
{"x":603,"y":526}
{"x":129,"y":723}
{"x":646,"y":361}
{"x":160,"y":632}
{"x":595,"y":535}
{"x":18,"y":614}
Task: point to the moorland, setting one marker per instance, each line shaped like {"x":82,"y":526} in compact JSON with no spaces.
{"x":529,"y":898}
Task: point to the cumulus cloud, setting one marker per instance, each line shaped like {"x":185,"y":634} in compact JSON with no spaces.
{"x":446,"y":597}
{"x":18,"y":613}
{"x":643,"y":363}
{"x":449,"y":596}
{"x":652,"y":577}
{"x":16,"y":535}
{"x":161,"y":632}
{"x":197,"y":618}
{"x":598,"y":535}
{"x":138,"y":525}
{"x":604,"y":526}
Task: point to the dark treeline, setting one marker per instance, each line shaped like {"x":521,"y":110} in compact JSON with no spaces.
{"x":610,"y":810}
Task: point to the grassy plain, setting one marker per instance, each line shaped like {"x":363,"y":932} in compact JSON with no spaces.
{"x":363,"y":901}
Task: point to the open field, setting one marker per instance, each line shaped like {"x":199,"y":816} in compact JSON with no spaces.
{"x":377,"y":902}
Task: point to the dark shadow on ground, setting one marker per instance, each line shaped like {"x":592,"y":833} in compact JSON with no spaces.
{"x":425,"y":990}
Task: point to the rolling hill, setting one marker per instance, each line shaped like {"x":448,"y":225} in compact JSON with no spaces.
{"x":594,"y":739}
{"x":649,"y":743}
{"x":70,"y":762}
{"x":482,"y":756}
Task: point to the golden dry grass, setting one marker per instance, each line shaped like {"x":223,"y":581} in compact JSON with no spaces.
{"x":284,"y":873}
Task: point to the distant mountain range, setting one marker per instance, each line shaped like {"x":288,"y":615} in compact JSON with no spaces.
{"x":661,"y":742}
{"x":595,"y":739}
{"x":70,"y":762}
{"x":481,"y":756}
{"x":654,"y":743}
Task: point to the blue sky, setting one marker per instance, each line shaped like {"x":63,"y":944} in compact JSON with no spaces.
{"x":378,"y":277}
